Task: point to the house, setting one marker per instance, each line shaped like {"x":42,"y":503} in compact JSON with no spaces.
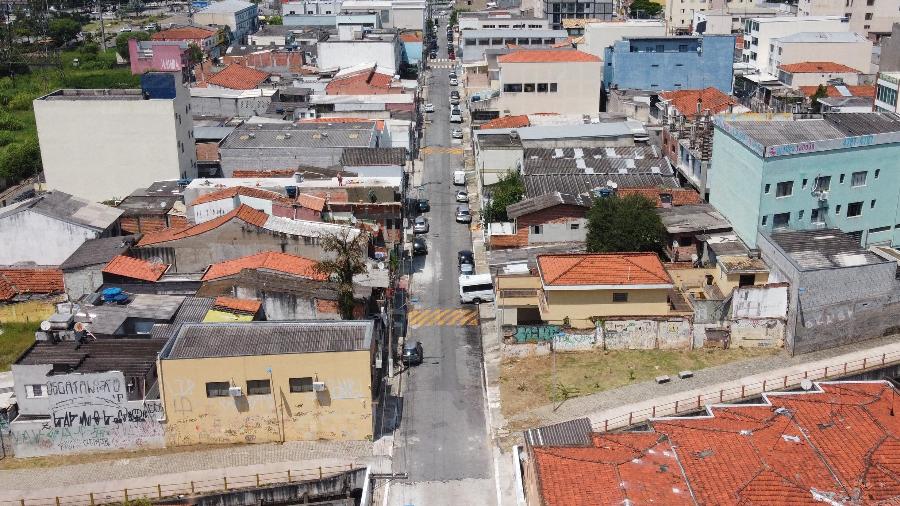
{"x":83,"y":270}
{"x":813,"y":73}
{"x":240,"y":16}
{"x":397,"y":106}
{"x":262,"y":372}
{"x":128,"y":269}
{"x":160,"y":56}
{"x":136,"y":137}
{"x":840,"y":47}
{"x":685,"y":225}
{"x":549,"y":80}
{"x":578,"y":289}
{"x":728,"y":454}
{"x":207,"y":39}
{"x":23,"y":283}
{"x":46,"y":229}
{"x":150,"y":209}
{"x":271,"y":59}
{"x":832,"y":172}
{"x":872,"y":21}
{"x":227,"y":102}
{"x":241,"y":232}
{"x":556,"y":11}
{"x":760,"y":35}
{"x":374,"y":162}
{"x":380,"y":46}
{"x":599,"y":35}
{"x":814,"y":262}
{"x":232,"y":309}
{"x":363,"y":79}
{"x":553,"y":217}
{"x":670,"y":63}
{"x":412,"y":48}
{"x":272,"y":35}
{"x":221,"y":202}
{"x":237,"y":77}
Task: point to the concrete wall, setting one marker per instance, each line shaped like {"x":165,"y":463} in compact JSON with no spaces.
{"x":757,"y":333}
{"x":31,"y":237}
{"x":578,"y":87}
{"x":768,"y":301}
{"x":230,"y":106}
{"x":83,"y":280}
{"x":210,"y":210}
{"x":817,"y":78}
{"x":613,"y":334}
{"x":857,"y":55}
{"x":582,"y":305}
{"x":343,"y":54}
{"x":599,"y":36}
{"x":497,"y":162}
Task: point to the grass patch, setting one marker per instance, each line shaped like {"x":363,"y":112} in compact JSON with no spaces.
{"x":527,"y":383}
{"x":16,"y":338}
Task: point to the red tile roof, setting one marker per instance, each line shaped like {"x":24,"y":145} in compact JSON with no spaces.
{"x":680,"y":196}
{"x":228,"y":193}
{"x":207,"y":151}
{"x":183,"y":33}
{"x":29,"y":280}
{"x":268,"y":260}
{"x":547,"y":56}
{"x":517,"y":121}
{"x":411,"y":37}
{"x":364,"y":82}
{"x":861,"y":90}
{"x":238,"y":77}
{"x":816,"y":67}
{"x":240,"y":305}
{"x":602,"y":269}
{"x":135,"y":268}
{"x":244,"y":213}
{"x":263,"y":173}
{"x":311,"y":202}
{"x":685,"y":101}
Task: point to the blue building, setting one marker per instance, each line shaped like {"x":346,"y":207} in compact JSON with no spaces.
{"x":670,"y":63}
{"x":834,"y":171}
{"x":412,"y":48}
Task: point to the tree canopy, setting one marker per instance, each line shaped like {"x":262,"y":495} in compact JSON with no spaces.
{"x":349,"y":260}
{"x":627,"y":223}
{"x":509,"y":190}
{"x":123,"y":38}
{"x":645,"y":8}
{"x":62,"y":30}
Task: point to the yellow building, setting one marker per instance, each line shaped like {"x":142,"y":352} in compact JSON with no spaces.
{"x":735,"y":271}
{"x":267,"y":381}
{"x":579,"y":289}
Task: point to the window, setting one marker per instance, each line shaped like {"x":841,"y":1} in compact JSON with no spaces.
{"x":854,"y":209}
{"x":765,"y":219}
{"x":781,"y":220}
{"x":872,"y":204}
{"x":858,"y":179}
{"x":877,"y":173}
{"x":574,"y":226}
{"x":804,"y":183}
{"x":868,"y":16}
{"x":682,"y":48}
{"x":879,"y":230}
{"x":496,"y":42}
{"x":512,"y":88}
{"x":35,"y":391}
{"x":537,"y":229}
{"x":301,"y":385}
{"x":529,"y":87}
{"x":837,"y":209}
{"x":483,"y":42}
{"x":784,"y":189}
{"x":767,"y":188}
{"x":620,"y":297}
{"x":552,"y":87}
{"x":258,"y":387}
{"x":217,"y":389}
{"x":747,"y":279}
{"x":870,"y":3}
{"x":841,"y":180}
{"x":816,"y":216}
{"x":542,"y":87}
{"x":800,"y":214}
{"x":823,"y":183}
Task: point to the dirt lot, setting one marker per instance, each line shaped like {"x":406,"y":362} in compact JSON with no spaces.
{"x":527,"y":383}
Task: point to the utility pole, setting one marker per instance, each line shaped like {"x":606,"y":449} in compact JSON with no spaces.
{"x":102,"y":27}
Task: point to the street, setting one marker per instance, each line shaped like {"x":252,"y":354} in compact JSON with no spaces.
{"x":442,"y":442}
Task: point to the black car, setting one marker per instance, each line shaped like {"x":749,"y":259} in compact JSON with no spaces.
{"x":412,"y":353}
{"x":454,"y":94}
{"x":419,"y":246}
{"x":466,"y":257}
{"x":423,"y":206}
{"x":433,"y":55}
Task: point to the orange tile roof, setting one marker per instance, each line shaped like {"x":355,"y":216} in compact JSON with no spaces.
{"x":364,"y":82}
{"x":228,"y":193}
{"x":411,"y":37}
{"x":517,"y":121}
{"x":815,"y":67}
{"x":244,"y":213}
{"x":268,"y":260}
{"x":183,"y":33}
{"x":547,"y":56}
{"x":311,"y":202}
{"x":135,"y":268}
{"x":680,"y":196}
{"x":602,"y":269}
{"x":29,"y":280}
{"x":685,"y":101}
{"x":238,"y":77}
{"x":207,"y":151}
{"x":263,"y":173}
{"x":861,"y":90}
{"x":240,"y":305}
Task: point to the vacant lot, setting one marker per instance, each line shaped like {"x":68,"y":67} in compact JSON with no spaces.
{"x":18,"y":322}
{"x":527,"y":383}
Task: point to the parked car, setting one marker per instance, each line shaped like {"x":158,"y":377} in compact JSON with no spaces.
{"x":453,"y":75}
{"x":463,"y":215}
{"x":413,"y":354}
{"x":462,"y":196}
{"x":454,"y":94}
{"x":433,"y":55}
{"x":419,"y":246}
{"x":454,"y":82}
{"x":452,"y":56}
{"x":457,"y":133}
{"x":454,"y":101}
{"x":420,"y":226}
{"x":429,"y":107}
{"x":465,"y":257}
{"x":423,"y":205}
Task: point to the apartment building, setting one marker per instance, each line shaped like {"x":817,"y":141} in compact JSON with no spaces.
{"x":871,"y":18}
{"x":760,"y":32}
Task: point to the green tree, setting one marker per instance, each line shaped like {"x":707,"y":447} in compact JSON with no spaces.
{"x":821,"y":92}
{"x":123,"y":38}
{"x":508,"y":190}
{"x":349,"y":260}
{"x":20,"y":160}
{"x":627,"y":223}
{"x":645,"y":9}
{"x":62,"y":30}
{"x":454,"y":17}
{"x":274,"y":20}
{"x":195,"y":54}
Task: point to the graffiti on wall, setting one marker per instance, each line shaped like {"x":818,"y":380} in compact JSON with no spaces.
{"x":535,"y":333}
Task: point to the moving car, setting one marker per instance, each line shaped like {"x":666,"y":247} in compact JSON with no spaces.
{"x":423,"y":205}
{"x":420,"y":226}
{"x":433,"y":55}
{"x":429,"y":107}
{"x":419,"y":246}
{"x":413,"y":354}
{"x":457,"y":133}
{"x":463,"y":215}
{"x":462,"y":196}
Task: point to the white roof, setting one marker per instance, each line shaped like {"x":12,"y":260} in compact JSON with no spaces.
{"x":832,"y":37}
{"x":306,"y":228}
{"x":362,"y":99}
{"x":227,"y":6}
{"x":228,"y":93}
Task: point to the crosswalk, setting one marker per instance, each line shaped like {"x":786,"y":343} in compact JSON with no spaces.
{"x":435,"y":150}
{"x":418,"y":318}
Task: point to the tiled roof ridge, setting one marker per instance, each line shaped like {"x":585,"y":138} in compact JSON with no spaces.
{"x":624,"y":255}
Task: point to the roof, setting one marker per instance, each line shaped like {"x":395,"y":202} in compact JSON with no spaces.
{"x":227,"y":6}
{"x":15,"y":281}
{"x":694,"y":218}
{"x":311,"y":202}
{"x":608,"y":269}
{"x":679,"y":196}
{"x":134,"y":357}
{"x":98,"y":251}
{"x":183,"y":33}
{"x":547,"y":56}
{"x":580,"y":183}
{"x":358,"y":157}
{"x":212,"y":340}
{"x":823,"y":249}
{"x":238,"y":173}
{"x":541,"y":202}
{"x":238,"y":77}
{"x":68,"y":208}
{"x":193,"y":309}
{"x":243,"y":213}
{"x":278,"y":136}
{"x":135,"y":268}
{"x":816,"y":67}
{"x":411,"y":37}
{"x":207,"y":151}
{"x":572,"y":433}
{"x":686,"y":101}
{"x":364,"y":78}
{"x":516,"y":121}
{"x":741,"y":264}
{"x":860,"y":90}
{"x":250,"y":306}
{"x":832,"y":37}
{"x":228,"y":193}
{"x":267,"y":260}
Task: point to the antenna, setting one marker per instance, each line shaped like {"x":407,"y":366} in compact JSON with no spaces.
{"x":806,"y":384}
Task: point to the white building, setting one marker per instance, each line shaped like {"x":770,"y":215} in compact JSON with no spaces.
{"x":242,"y":17}
{"x":600,"y":35}
{"x":400,"y":14}
{"x":886,"y":92}
{"x":311,"y":7}
{"x":814,"y":73}
{"x":103,"y":144}
{"x":382,"y":48}
{"x":549,"y":80}
{"x":728,"y":20}
{"x":760,"y":32}
{"x":679,"y":14}
{"x":498,"y":19}
{"x":845,"y":48}
{"x":866,"y":16}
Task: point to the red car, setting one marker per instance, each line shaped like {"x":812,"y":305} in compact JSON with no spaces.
{"x":452,"y":56}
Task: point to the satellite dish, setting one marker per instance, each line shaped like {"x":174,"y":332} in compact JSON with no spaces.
{"x":380,"y":265}
{"x":45,"y":325}
{"x":806,"y":384}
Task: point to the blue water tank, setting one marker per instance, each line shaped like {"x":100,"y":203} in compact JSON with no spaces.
{"x":159,"y":85}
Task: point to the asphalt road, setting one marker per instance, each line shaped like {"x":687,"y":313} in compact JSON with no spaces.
{"x":442,"y":442}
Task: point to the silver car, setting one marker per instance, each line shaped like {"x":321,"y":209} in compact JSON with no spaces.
{"x":457,"y":133}
{"x":463,"y":215}
{"x":462,"y":196}
{"x":420,"y":226}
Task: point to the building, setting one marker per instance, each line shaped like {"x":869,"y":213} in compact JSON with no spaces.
{"x":832,"y":172}
{"x":363,"y":79}
{"x":207,"y":39}
{"x":272,"y":35}
{"x":136,"y":137}
{"x":151,"y":209}
{"x":814,"y":263}
{"x":759,"y":35}
{"x":679,"y":16}
{"x":242,"y":17}
{"x":83,"y":270}
{"x":46,"y":229}
{"x":311,"y":7}
{"x":886,"y":87}
{"x":730,"y":19}
{"x":381,"y":47}
{"x":599,"y":35}
{"x":271,"y":59}
{"x":670,"y":63}
{"x":870,"y":19}
{"x":248,"y":380}
{"x":226,"y":102}
{"x":842,"y":48}
{"x":482,"y":20}
{"x":687,"y":232}
{"x":788,"y":446}
{"x":221,"y":202}
{"x":888,"y":56}
{"x":24,"y":283}
{"x":475,"y":44}
{"x":159,"y":56}
{"x":549,"y":80}
{"x":237,"y":77}
{"x":399,"y":14}
{"x":816,"y":73}
{"x":556,"y":10}
{"x":374,"y":162}
{"x":579,"y":289}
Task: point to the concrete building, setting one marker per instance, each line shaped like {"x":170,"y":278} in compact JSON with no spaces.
{"x":557,"y":10}
{"x":670,"y":63}
{"x":760,"y":32}
{"x":871,"y":19}
{"x":886,"y":92}
{"x":242,"y":17}
{"x":549,"y":80}
{"x":473,"y":44}
{"x":83,"y":270}
{"x":844,"y":48}
{"x":483,"y":20}
{"x":833,"y":172}
{"x":311,"y":7}
{"x":814,"y":73}
{"x":888,"y":57}
{"x":382,"y":48}
{"x":243,"y":382}
{"x":136,"y":137}
{"x":47,"y":229}
{"x":225,"y":102}
{"x":599,"y":35}
{"x":730,"y":19}
{"x":399,"y":14}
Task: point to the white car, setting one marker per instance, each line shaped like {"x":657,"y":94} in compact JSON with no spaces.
{"x":429,"y":107}
{"x":462,"y":196}
{"x":457,"y":133}
{"x":454,"y":82}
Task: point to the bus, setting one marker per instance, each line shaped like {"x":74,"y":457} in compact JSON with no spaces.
{"x":476,"y":288}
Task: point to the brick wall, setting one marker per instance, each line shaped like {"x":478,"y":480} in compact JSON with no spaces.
{"x":142,"y":224}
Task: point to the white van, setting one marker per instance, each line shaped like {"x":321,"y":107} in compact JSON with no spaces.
{"x":476,"y":288}
{"x":459,"y":177}
{"x":455,"y":116}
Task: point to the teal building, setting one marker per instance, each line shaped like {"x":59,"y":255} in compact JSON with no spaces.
{"x":830,"y":171}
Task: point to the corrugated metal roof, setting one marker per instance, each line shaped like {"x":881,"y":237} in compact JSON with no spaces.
{"x":537,"y":203}
{"x":823,"y":249}
{"x":576,"y":184}
{"x":572,"y":433}
{"x":286,"y":136}
{"x":98,"y":251}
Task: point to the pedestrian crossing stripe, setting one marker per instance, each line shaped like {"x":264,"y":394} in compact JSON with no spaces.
{"x":442,"y":60}
{"x":443,"y":65}
{"x":442,"y":317}
{"x":434,"y":150}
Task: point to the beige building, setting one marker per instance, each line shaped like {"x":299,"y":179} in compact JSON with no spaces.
{"x":564,"y":81}
{"x":601,"y":34}
{"x":796,"y":75}
{"x":102,"y":144}
{"x":843,"y":48}
{"x":867,"y":17}
{"x":680,"y":13}
{"x":259,"y":382}
{"x":759,"y":35}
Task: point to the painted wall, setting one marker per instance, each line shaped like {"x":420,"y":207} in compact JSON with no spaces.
{"x":163,"y":56}
{"x":857,"y":55}
{"x":578,"y":89}
{"x":581,"y":305}
{"x":495,"y":163}
{"x":342,"y":412}
{"x":210,"y":210}
{"x":758,"y":39}
{"x":31,"y":237}
{"x":599,"y":36}
{"x":625,"y":333}
{"x":343,"y":54}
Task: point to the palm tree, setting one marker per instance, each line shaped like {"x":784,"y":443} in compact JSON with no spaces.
{"x":349,"y":249}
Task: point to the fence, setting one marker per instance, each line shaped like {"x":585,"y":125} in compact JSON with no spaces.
{"x":165,"y":490}
{"x":696,"y":403}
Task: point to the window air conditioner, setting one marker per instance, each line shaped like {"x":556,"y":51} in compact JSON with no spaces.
{"x":234,"y":391}
{"x":318,"y":386}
